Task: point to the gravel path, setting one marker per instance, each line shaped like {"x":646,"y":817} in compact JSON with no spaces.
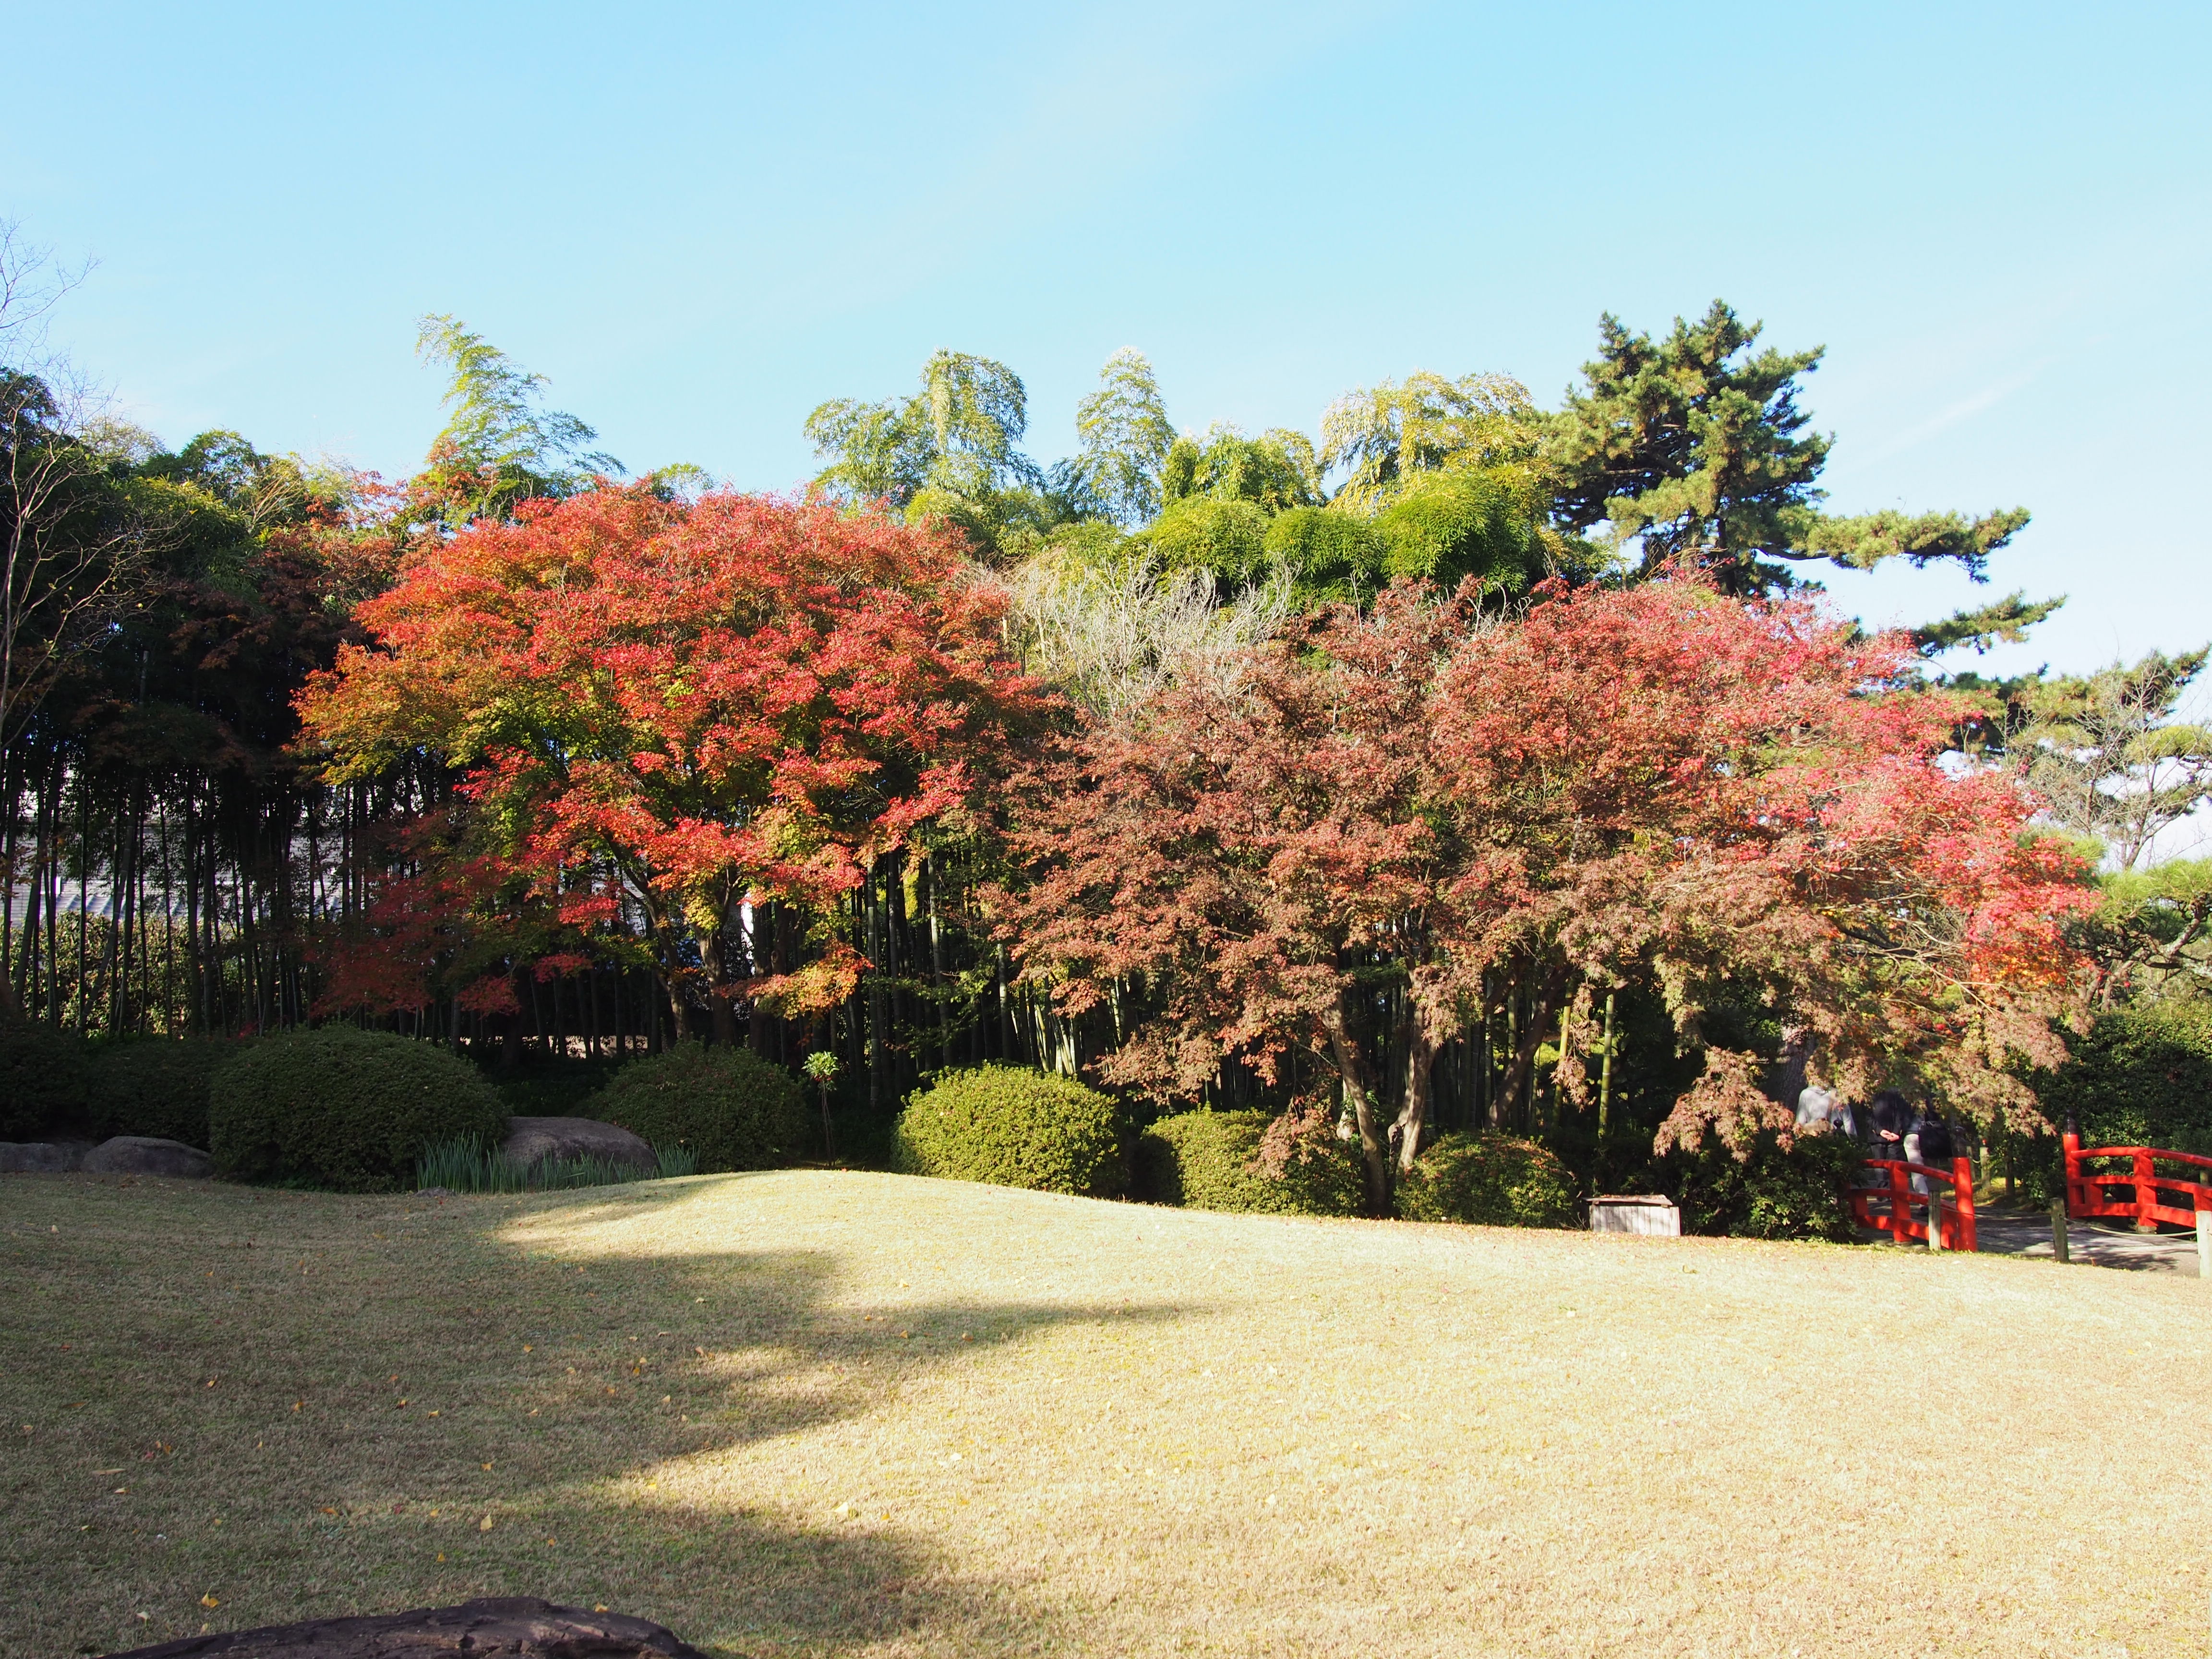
{"x":2100,"y":1244}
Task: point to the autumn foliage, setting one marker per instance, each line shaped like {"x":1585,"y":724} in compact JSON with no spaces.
{"x":1345,"y":846}
{"x":1322,"y":860}
{"x":669,"y":712}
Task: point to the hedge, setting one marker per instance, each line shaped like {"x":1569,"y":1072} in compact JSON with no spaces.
{"x":154,"y":1086}
{"x":1011,"y":1127}
{"x":344,"y":1108}
{"x":726,"y":1106}
{"x":42,"y":1081}
{"x":2142,"y":1077}
{"x":1491,"y":1180}
{"x":1204,"y":1161}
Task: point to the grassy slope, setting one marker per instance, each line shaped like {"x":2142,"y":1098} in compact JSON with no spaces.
{"x":938,"y":1418}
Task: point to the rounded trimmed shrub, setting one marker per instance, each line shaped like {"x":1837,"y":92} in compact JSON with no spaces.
{"x":1206,"y":1160}
{"x":344,"y":1108}
{"x":1011,"y":1127}
{"x":153,"y":1086}
{"x":42,"y":1081}
{"x":1491,"y":1180}
{"x":726,"y":1106}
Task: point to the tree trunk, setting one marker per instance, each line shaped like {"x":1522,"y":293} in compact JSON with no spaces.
{"x":1359,"y":1095}
{"x":26,"y":987}
{"x":510,"y":1030}
{"x":1420,"y":1072}
{"x":871,"y":923}
{"x":721,"y":988}
{"x":1522,"y":1064}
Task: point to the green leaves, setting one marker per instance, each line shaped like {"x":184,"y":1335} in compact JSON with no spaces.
{"x":957,"y":435}
{"x":500,"y":445}
{"x":2104,"y":751}
{"x":1126,"y":437}
{"x":1691,"y":444}
{"x":1273,"y":471}
{"x":2007,"y":619}
{"x":1693,"y":447}
{"x":1384,"y":433}
{"x":876,"y":452}
{"x":1864,"y":542}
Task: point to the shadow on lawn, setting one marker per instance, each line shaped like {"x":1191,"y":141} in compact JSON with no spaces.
{"x":615,"y":1385}
{"x":230,"y":1393}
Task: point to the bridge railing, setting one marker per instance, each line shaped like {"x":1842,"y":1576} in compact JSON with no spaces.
{"x":1902,"y":1211}
{"x":2089,"y":1190}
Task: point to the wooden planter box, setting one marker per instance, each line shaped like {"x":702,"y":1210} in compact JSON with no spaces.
{"x":1651,"y":1215}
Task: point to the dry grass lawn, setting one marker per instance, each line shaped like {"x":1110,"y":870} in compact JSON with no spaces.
{"x":823,"y":1413}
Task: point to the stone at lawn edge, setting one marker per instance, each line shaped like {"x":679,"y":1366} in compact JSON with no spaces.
{"x":38,"y":1158}
{"x":534,"y":1139}
{"x":495,"y":1627}
{"x":148,"y":1155}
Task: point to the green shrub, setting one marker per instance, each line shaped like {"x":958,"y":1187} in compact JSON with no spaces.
{"x":42,"y":1081}
{"x":344,"y":1108}
{"x":2143,"y":1077}
{"x":153,"y":1086}
{"x":1332,"y":554}
{"x":1013,"y":1127}
{"x":1204,"y":1161}
{"x":1802,"y":1193}
{"x":726,"y":1106}
{"x":536,"y":1085}
{"x":1491,"y":1180}
{"x":1441,"y":526}
{"x":1228,"y":538}
{"x":2030,"y":1168}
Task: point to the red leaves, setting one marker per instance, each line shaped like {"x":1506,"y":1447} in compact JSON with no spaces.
{"x":1727,"y":1101}
{"x":736,"y":698}
{"x":493,"y":994}
{"x":1660,"y":781}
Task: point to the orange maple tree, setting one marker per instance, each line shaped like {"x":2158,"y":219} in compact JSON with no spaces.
{"x":664,"y":712}
{"x":1346,"y":847}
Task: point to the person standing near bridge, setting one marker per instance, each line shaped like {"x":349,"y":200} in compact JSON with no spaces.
{"x":1889,"y":1119}
{"x":1818,"y":1107}
{"x":1928,"y":1140}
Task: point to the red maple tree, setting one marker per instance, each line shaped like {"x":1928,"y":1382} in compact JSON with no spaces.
{"x":666,"y":712}
{"x":1346,"y":848}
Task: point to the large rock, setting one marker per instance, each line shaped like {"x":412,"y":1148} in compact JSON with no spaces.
{"x":534,"y":1139}
{"x":40,"y":1156}
{"x":148,"y":1155}
{"x":495,"y":1627}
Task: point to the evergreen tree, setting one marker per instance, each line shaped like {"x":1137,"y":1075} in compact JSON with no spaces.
{"x":2107,"y":752}
{"x":1694,"y":448}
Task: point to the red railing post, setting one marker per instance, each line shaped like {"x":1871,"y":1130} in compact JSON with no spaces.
{"x":1900,"y":1205}
{"x":2070,"y":1145}
{"x":2146,"y":1192}
{"x":1962,"y":1188}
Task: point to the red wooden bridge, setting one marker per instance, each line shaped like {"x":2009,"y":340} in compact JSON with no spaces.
{"x":2091,"y":1183}
{"x":1903,"y":1211}
{"x":2147,"y":1185}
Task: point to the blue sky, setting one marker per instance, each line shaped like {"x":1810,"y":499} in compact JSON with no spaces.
{"x":699,"y":221}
